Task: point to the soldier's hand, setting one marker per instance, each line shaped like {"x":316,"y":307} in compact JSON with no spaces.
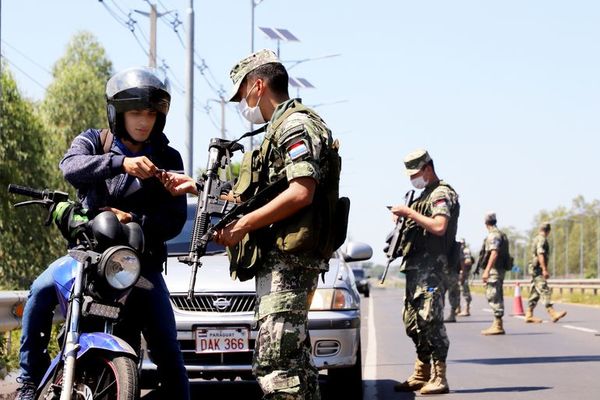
{"x":485,"y":276}
{"x":232,"y":234}
{"x":178,"y":184}
{"x":400,"y":210}
{"x":140,"y":167}
{"x":546,"y":274}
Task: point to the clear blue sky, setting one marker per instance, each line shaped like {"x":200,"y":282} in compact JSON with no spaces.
{"x":504,"y":94}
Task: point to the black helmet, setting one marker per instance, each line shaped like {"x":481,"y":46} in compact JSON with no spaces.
{"x":135,"y":89}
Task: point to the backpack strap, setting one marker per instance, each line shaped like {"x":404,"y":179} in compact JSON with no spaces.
{"x":106,"y":140}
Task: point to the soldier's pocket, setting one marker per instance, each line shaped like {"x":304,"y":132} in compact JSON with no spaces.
{"x":430,"y":305}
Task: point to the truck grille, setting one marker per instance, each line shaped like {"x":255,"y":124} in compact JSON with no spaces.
{"x":216,"y":302}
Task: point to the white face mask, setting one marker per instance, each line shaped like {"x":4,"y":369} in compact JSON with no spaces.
{"x":252,"y":114}
{"x":419,"y":182}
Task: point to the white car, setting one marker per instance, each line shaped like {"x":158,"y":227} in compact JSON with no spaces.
{"x":216,"y":327}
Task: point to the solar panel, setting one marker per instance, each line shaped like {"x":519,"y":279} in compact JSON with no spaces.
{"x":270,"y":33}
{"x":287,"y":35}
{"x":305,"y":83}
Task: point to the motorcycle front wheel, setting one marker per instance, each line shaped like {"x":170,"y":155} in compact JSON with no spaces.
{"x":99,"y":377}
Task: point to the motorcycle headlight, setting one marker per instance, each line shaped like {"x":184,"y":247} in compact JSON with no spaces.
{"x":333,"y":299}
{"x":120,"y":267}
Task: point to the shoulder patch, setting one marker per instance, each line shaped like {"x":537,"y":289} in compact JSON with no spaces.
{"x":297,"y":149}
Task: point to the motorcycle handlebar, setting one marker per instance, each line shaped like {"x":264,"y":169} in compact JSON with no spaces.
{"x":26,"y":191}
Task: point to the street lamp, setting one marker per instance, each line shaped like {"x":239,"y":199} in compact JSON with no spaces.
{"x":300,"y":83}
{"x":222,"y":102}
{"x":303,"y":60}
{"x":279,"y":34}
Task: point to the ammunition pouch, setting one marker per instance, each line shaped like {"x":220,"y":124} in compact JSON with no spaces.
{"x":246,"y":257}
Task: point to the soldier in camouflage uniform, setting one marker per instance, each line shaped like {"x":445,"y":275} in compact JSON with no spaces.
{"x":295,"y":146}
{"x":430,"y":233}
{"x":539,"y":275}
{"x":492,"y":276}
{"x":466,"y":262}
{"x":453,"y":290}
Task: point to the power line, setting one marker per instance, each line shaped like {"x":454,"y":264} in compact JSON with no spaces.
{"x":23,"y":72}
{"x":27,"y":57}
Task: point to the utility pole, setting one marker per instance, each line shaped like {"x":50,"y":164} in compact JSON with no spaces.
{"x":581,"y":250}
{"x":189,"y":91}
{"x":566,"y":248}
{"x":153,"y":16}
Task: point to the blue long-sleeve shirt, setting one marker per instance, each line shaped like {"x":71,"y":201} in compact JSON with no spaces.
{"x":101,"y":182}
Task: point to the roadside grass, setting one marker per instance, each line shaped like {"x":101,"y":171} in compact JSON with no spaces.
{"x":9,"y":349}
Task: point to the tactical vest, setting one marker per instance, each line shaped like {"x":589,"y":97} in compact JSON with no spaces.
{"x":417,"y":240}
{"x":316,"y":229}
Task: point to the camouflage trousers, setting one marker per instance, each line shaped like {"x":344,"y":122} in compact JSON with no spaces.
{"x":539,"y":290}
{"x":494,"y":292}
{"x":464,"y":288}
{"x":424,"y":314}
{"x":452,"y":288}
{"x":282,"y":361}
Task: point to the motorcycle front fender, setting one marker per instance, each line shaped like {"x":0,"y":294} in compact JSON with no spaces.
{"x":99,"y":341}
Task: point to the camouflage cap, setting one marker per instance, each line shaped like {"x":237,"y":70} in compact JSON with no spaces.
{"x":490,"y":218}
{"x":416,"y":160}
{"x":242,"y":68}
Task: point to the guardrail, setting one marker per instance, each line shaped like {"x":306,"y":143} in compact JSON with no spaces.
{"x":13,"y":302}
{"x":562,"y":285}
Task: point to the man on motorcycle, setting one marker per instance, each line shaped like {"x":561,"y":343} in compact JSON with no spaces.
{"x":119,"y":171}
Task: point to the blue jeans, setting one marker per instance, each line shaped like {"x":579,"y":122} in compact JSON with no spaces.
{"x":146,"y":310}
{"x":37,"y":324}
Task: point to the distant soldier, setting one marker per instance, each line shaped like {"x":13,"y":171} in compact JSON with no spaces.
{"x":453,"y":288}
{"x":430,"y":233}
{"x":494,"y":261}
{"x":466,"y":262}
{"x":539,"y":275}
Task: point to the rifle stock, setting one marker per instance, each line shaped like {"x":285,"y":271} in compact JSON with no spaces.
{"x":394,"y":239}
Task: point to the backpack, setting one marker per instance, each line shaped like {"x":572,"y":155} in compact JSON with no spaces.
{"x":505,"y":260}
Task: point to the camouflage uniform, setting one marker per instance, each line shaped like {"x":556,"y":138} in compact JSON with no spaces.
{"x":295,"y":144}
{"x":539,"y":285}
{"x":285,"y":283}
{"x":493,"y":290}
{"x":465,"y":254}
{"x":424,"y":266}
{"x":452,"y":287}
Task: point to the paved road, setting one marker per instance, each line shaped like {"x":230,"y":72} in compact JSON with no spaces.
{"x":532,"y":361}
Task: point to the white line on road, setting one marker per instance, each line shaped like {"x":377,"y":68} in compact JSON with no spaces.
{"x":370,"y":369}
{"x":577,"y":328}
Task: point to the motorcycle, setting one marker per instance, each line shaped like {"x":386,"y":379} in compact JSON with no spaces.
{"x":92,"y":284}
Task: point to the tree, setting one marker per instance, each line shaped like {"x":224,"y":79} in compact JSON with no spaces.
{"x":23,"y":144}
{"x":75,"y":99}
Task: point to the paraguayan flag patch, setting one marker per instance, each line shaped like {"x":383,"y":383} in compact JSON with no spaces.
{"x":297,"y":150}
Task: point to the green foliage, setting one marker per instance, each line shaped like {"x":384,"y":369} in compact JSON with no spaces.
{"x":574,"y":241}
{"x":32,"y":142}
{"x":23,"y":151}
{"x":75,"y":99}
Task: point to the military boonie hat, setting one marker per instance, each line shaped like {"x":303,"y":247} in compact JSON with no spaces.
{"x":242,"y":68}
{"x":416,"y":160}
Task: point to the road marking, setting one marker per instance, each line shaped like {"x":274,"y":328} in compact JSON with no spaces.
{"x":577,"y":328}
{"x":370,"y":368}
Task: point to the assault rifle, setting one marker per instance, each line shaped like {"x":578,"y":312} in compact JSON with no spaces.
{"x":482,"y":260}
{"x":209,"y":203}
{"x":393,"y":250}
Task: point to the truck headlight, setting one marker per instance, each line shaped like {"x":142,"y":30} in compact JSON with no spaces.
{"x":333,"y":299}
{"x":120,"y":267}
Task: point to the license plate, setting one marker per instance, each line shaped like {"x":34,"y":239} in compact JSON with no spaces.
{"x":221,"y":340}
